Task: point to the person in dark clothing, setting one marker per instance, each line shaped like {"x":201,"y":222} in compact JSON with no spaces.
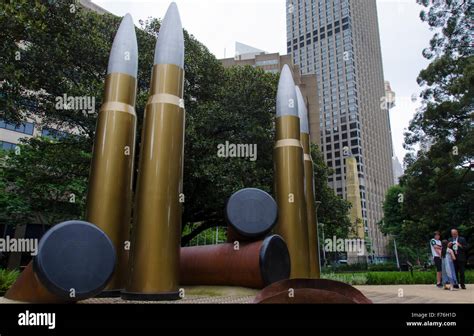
{"x":460,"y":250}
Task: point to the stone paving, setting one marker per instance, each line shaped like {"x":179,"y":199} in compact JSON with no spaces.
{"x":417,"y":294}
{"x":378,"y":294}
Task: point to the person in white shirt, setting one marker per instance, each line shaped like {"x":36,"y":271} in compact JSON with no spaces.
{"x":435,"y":245}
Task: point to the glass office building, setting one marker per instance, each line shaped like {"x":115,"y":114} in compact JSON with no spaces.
{"x":339,"y":42}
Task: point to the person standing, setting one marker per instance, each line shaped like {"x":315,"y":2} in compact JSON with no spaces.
{"x":460,"y":251}
{"x":435,"y":245}
{"x":448,"y":259}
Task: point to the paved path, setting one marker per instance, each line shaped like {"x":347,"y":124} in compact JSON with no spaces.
{"x":378,"y":294}
{"x":193,"y":295}
{"x":417,"y":294}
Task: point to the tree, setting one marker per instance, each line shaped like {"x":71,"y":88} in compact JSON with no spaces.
{"x":392,"y":209}
{"x":410,"y":243}
{"x":242,"y":113}
{"x":333,"y":210}
{"x":56,"y":48}
{"x":63,"y":49}
{"x":438,"y":183}
{"x":444,"y":120}
{"x":42,"y":187}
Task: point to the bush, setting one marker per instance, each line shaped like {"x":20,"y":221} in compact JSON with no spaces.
{"x":7,"y":278}
{"x":390,"y":278}
{"x":385,"y":267}
{"x":351,"y":279}
{"x":348,"y":268}
{"x":405,"y":278}
{"x":361,"y":267}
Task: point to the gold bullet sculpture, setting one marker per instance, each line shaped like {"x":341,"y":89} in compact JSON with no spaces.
{"x":156,"y":235}
{"x":109,"y":200}
{"x":314,"y":262}
{"x":289,"y":177}
{"x":353,"y":196}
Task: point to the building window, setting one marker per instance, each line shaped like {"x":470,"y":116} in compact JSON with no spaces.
{"x":267,"y":62}
{"x":7,"y":145}
{"x":25,"y":128}
{"x":53,"y":133}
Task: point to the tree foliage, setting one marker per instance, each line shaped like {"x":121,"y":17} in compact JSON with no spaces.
{"x":52,"y":48}
{"x":333,"y":210}
{"x":40,"y":185}
{"x":438,"y":185}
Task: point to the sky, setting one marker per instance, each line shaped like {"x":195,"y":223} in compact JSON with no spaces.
{"x":218,"y":24}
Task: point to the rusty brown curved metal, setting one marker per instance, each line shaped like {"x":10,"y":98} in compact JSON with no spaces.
{"x":233,"y":236}
{"x":252,"y":265}
{"x":27,"y":288}
{"x":57,"y":275}
{"x":307,"y":296}
{"x":338,"y":287}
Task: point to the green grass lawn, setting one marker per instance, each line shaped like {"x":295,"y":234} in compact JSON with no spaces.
{"x":390,"y":278}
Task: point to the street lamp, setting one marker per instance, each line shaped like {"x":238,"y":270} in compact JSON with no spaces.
{"x":324,"y":251}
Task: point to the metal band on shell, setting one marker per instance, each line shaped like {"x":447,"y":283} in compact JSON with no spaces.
{"x":288,"y":143}
{"x":117,"y":106}
{"x":166,"y":98}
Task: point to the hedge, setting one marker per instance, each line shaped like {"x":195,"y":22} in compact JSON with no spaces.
{"x":390,"y":278}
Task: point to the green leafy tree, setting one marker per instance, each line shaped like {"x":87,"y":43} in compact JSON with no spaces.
{"x":242,"y":113}
{"x":438,"y":182}
{"x":52,"y":48}
{"x":41,"y":186}
{"x":333,"y":210}
{"x":392,"y":209}
{"x":55,"y":48}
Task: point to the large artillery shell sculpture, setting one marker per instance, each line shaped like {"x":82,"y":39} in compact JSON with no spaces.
{"x":314,"y":263}
{"x":109,"y":200}
{"x":289,"y":177}
{"x":154,"y":264}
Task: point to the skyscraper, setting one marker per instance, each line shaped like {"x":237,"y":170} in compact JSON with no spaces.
{"x":338,"y":40}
